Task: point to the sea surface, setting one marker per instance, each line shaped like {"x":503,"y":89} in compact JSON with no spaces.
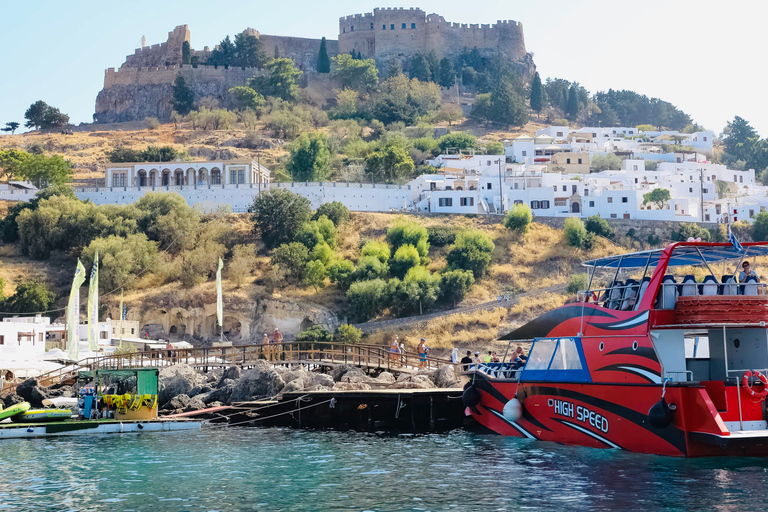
{"x":233,"y":469}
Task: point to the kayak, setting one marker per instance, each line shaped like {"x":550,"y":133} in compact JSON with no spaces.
{"x":42,"y":415}
{"x":14,"y":410}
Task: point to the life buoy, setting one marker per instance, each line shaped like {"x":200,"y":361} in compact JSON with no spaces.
{"x":592,"y":297}
{"x":755,"y":395}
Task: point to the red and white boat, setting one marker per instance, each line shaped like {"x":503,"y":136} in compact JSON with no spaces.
{"x":654,"y":362}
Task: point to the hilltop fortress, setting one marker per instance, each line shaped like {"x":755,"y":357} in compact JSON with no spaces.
{"x":142,"y":86}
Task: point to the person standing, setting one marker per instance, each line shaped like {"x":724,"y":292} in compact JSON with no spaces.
{"x":422,"y":350}
{"x":466,"y":361}
{"x":265,"y":346}
{"x":394,"y":350}
{"x":278,"y":339}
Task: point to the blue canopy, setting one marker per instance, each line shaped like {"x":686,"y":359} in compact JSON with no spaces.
{"x":682,"y":254}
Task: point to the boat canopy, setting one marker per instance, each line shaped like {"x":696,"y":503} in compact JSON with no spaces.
{"x":685,"y":253}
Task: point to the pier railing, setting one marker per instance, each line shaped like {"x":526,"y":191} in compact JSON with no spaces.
{"x":309,"y":353}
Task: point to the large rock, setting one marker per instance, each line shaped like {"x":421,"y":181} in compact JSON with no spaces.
{"x":177,"y":403}
{"x":351,"y":386}
{"x":195,"y":404}
{"x":233,"y":373}
{"x":262,"y":381}
{"x":308,"y":382}
{"x":445,"y":377}
{"x":65,"y":391}
{"x":12,"y":399}
{"x":179,"y":379}
{"x":386,"y":377}
{"x":31,"y":392}
{"x":220,"y":394}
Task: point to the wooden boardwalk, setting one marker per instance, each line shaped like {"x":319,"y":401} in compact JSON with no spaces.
{"x":314,"y":355}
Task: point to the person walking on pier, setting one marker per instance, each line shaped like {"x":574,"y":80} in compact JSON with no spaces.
{"x":394,"y":350}
{"x":422,"y":350}
{"x":278,"y":339}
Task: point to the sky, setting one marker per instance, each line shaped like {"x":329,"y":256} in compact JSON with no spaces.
{"x":706,"y":57}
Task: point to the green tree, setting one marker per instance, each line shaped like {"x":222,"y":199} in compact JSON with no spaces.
{"x":537,"y":95}
{"x":348,"y":334}
{"x":447,"y":75}
{"x":277,"y":214}
{"x":30,"y":297}
{"x":291,"y":259}
{"x":11,"y":127}
{"x":310,"y":158}
{"x":367,"y":299}
{"x":245,"y":97}
{"x":760,"y":227}
{"x":576,"y":233}
{"x":323,"y":62}
{"x":249,"y":52}
{"x":577,"y":282}
{"x":35,"y":115}
{"x":688,"y":230}
{"x":242,"y":264}
{"x":370,"y":267}
{"x":44,"y":171}
{"x":417,"y":292}
{"x":323,"y":253}
{"x":315,"y":274}
{"x":457,"y":141}
{"x":440,"y":236}
{"x":224,"y":54}
{"x":314,"y":333}
{"x":610,"y":161}
{"x":341,"y":271}
{"x":122,"y":259}
{"x":185,"y":52}
{"x":455,"y":284}
{"x":335,"y":211}
{"x":168,"y":219}
{"x":8,"y":225}
{"x":572,"y":108}
{"x":473,"y":251}
{"x":449,"y":112}
{"x":410,"y":233}
{"x":598,"y":226}
{"x":360,"y":75}
{"x":418,"y":68}
{"x":518,"y":218}
{"x":392,"y":159}
{"x":507,"y":104}
{"x":657,"y":196}
{"x":405,"y":258}
{"x":183,"y":95}
{"x":494,"y":148}
{"x":12,"y":162}
{"x":281,"y":80}
{"x":378,"y":250}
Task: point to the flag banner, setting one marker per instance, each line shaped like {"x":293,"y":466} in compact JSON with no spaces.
{"x":219,"y":301}
{"x":732,"y":239}
{"x":93,"y":306}
{"x":122,"y":317}
{"x":73,"y":313}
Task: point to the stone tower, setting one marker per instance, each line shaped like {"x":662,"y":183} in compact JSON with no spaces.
{"x":159,"y":55}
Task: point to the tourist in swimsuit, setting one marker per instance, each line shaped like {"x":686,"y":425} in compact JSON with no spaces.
{"x":394,"y":349}
{"x":422,"y":350}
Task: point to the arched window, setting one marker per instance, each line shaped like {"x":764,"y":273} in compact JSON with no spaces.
{"x":215,"y":176}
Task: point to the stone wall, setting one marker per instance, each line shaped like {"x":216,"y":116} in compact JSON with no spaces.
{"x":643,"y":228}
{"x":301,"y":50}
{"x":163,"y":54}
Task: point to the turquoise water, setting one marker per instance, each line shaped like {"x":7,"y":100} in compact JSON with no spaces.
{"x":282,"y":469}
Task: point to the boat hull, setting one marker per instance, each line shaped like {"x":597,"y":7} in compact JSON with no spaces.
{"x":613,"y":416}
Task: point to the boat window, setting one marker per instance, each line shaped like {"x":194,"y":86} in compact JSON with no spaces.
{"x":567,"y":356}
{"x":541,"y":354}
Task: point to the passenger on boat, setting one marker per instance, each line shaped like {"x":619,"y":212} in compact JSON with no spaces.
{"x":494,"y":357}
{"x":519,"y":358}
{"x":477,"y":358}
{"x":746,"y":272}
{"x":467,"y":360}
{"x":489,"y":357}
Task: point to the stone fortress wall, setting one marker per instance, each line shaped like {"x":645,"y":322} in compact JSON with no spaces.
{"x":399,"y":32}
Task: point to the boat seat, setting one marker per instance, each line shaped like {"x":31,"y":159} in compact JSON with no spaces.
{"x":631,"y":287}
{"x":750,"y":288}
{"x":688,"y":288}
{"x":615,"y":294}
{"x":643,"y":288}
{"x":668,"y":294}
{"x":710,"y":286}
{"x":729,"y":287}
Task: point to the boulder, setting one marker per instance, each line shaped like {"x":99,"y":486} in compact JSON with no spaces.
{"x":291,"y":375}
{"x":65,"y":391}
{"x":195,"y":404}
{"x":178,"y":402}
{"x":318,"y":380}
{"x":220,"y":394}
{"x":31,"y":392}
{"x":294,"y":386}
{"x":199,"y":390}
{"x":215,"y":404}
{"x":261,"y":381}
{"x":233,"y":372}
{"x":351,"y":386}
{"x":408,"y":385}
{"x":179,"y":379}
{"x":445,"y":377}
{"x":386,"y":377}
{"x":12,"y":399}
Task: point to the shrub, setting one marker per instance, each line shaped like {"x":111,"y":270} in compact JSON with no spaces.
{"x":348,"y":334}
{"x":605,"y":162}
{"x":152,"y":123}
{"x":315,"y":273}
{"x":409,"y":232}
{"x":335,"y":211}
{"x":317,"y":231}
{"x":277,"y":214}
{"x":367,"y":298}
{"x":30,"y":297}
{"x":518,"y":218}
{"x":577,"y":282}
{"x":598,"y":226}
{"x":242,"y":263}
{"x":690,"y":230}
{"x":200,"y":263}
{"x":575,"y":231}
{"x":406,"y":257}
{"x":322,"y":253}
{"x":472,"y":251}
{"x":457,"y":140}
{"x":494,"y":148}
{"x":314,"y":333}
{"x":760,"y":227}
{"x":417,"y":292}
{"x":370,"y":267}
{"x":291,"y":259}
{"x":379,"y":250}
{"x":455,"y":284}
{"x":121,"y":260}
{"x":440,"y":236}
{"x":341,"y":272}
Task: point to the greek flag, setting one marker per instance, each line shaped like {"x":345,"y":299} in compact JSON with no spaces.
{"x":732,"y":239}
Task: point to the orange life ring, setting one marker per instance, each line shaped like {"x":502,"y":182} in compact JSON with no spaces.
{"x":755,"y":395}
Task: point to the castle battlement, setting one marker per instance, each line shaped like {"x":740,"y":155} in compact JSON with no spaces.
{"x":164,"y":75}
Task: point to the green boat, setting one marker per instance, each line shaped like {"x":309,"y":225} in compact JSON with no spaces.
{"x":14,"y":410}
{"x":42,"y":415}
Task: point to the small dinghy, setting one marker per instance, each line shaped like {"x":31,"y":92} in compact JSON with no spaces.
{"x":42,"y":416}
{"x":14,"y":410}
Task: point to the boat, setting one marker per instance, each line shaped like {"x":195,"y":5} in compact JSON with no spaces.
{"x":13,"y":410}
{"x":648,"y":359}
{"x":42,"y":415}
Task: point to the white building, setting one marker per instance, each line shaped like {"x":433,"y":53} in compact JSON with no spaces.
{"x":194,"y":174}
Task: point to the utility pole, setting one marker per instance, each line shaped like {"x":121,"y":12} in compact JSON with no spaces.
{"x":701,"y":191}
{"x":501,"y":190}
{"x":258,"y":156}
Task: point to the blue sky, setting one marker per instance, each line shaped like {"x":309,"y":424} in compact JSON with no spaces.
{"x":704,"y":56}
